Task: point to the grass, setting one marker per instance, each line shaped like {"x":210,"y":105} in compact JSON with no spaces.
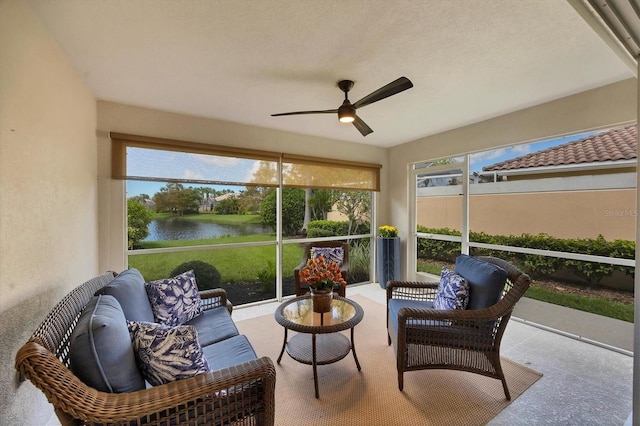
{"x":238,"y":264}
{"x":595,"y":305}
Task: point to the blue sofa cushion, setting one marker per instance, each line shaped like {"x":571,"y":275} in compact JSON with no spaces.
{"x":229,"y":352}
{"x":214,"y":325}
{"x":175,"y":300}
{"x":486,"y":281}
{"x":100,"y":351}
{"x":128,"y":288}
{"x":453,"y":291}
{"x":165,"y":353}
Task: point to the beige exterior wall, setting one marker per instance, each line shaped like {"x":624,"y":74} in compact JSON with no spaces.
{"x":48,"y":193}
{"x":576,"y":214}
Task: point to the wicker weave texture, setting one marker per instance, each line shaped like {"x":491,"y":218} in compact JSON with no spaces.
{"x":241,"y":395}
{"x":467,"y":340}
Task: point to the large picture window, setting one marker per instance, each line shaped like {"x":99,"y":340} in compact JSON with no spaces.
{"x":562,"y":210}
{"x":239,"y":218}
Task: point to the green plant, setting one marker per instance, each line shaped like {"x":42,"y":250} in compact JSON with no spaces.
{"x":267,"y":277}
{"x":359,"y":260}
{"x":292,"y":210}
{"x":138,"y":219}
{"x":594,"y":305}
{"x":207,"y":276}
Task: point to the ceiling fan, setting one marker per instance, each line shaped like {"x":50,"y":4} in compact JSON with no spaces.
{"x":347,"y":111}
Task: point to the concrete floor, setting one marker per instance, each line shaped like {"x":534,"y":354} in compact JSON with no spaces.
{"x":582,"y":384}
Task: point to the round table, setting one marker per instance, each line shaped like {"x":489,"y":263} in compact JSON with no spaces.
{"x":318,"y":341}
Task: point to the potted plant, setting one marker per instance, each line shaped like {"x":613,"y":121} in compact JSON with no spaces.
{"x":387,"y":255}
{"x":321,"y":277}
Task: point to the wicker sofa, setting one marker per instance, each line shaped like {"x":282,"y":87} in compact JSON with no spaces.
{"x":239,"y":394}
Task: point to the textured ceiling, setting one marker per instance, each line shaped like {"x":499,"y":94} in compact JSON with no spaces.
{"x":242,"y":60}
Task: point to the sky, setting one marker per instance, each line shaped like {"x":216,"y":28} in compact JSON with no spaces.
{"x":148,"y":162}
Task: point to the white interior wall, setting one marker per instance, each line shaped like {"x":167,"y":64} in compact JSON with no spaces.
{"x":48,"y":193}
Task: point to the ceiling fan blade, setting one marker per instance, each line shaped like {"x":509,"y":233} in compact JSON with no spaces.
{"x":397,"y":86}
{"x":362,"y":126}
{"x":326,"y":111}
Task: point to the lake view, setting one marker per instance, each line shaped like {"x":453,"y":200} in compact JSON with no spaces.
{"x":185,"y":229}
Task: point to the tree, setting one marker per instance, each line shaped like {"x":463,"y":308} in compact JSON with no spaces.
{"x":177,"y":199}
{"x":227,"y":206}
{"x":292,"y":210}
{"x":138,"y":219}
{"x":356,"y":205}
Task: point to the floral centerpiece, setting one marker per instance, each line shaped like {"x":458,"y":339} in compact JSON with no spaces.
{"x":319,"y":274}
{"x":388,"y":231}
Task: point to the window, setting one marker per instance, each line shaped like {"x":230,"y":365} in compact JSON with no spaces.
{"x":218,"y":210}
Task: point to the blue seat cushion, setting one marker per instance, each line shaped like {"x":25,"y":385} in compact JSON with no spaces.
{"x":396,"y":304}
{"x":214,"y":325}
{"x":486,"y":281}
{"x":229,"y":352}
{"x":128,"y":288}
{"x":100,"y":351}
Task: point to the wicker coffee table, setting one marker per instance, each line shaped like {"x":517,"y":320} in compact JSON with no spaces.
{"x":318,"y":341}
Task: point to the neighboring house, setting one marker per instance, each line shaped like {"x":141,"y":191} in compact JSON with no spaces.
{"x":609,"y":152}
{"x":544,"y":192}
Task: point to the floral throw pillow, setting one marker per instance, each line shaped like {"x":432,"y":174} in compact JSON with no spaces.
{"x":176,"y":300}
{"x":165,"y":354}
{"x":453,"y":291}
{"x":330,"y":254}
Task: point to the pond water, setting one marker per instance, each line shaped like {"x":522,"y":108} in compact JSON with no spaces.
{"x":184,"y":229}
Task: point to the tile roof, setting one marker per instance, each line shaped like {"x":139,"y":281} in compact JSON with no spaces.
{"x":614,"y":144}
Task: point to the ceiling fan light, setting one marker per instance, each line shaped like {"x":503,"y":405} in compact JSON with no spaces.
{"x":346,"y":113}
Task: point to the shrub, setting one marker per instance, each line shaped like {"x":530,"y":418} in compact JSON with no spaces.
{"x":207,"y":276}
{"x":359,"y":262}
{"x":535,"y":265}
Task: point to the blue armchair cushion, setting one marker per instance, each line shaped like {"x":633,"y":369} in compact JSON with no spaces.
{"x":128,"y":288}
{"x":175,"y":300}
{"x":167,"y":353}
{"x":486,"y":281}
{"x":330,"y":254}
{"x":100,"y":351}
{"x":396,"y":304}
{"x":453,"y":291}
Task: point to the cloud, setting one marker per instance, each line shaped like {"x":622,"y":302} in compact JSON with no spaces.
{"x":216,"y":160}
{"x":190,"y":174}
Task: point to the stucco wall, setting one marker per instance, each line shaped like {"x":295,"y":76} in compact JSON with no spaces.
{"x":575,"y":214}
{"x":113,"y":117}
{"x":48,"y":193}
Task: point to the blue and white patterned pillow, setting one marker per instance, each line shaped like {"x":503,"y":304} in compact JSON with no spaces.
{"x":174,"y":300}
{"x":453,"y":291}
{"x":165,"y":354}
{"x":330,"y":254}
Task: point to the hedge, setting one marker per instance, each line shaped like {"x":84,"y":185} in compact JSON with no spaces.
{"x":534,"y":265}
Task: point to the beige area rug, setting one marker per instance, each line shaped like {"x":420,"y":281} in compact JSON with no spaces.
{"x":371,"y":396}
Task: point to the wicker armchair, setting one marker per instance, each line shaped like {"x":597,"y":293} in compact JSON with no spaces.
{"x":240,"y":395}
{"x":302,"y":288}
{"x":467,"y":340}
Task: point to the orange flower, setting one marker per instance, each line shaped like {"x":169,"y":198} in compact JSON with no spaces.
{"x":322,"y":275}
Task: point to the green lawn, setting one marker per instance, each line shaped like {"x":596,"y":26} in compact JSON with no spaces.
{"x":234,"y":264}
{"x":594,"y":305}
{"x":235,"y":219}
